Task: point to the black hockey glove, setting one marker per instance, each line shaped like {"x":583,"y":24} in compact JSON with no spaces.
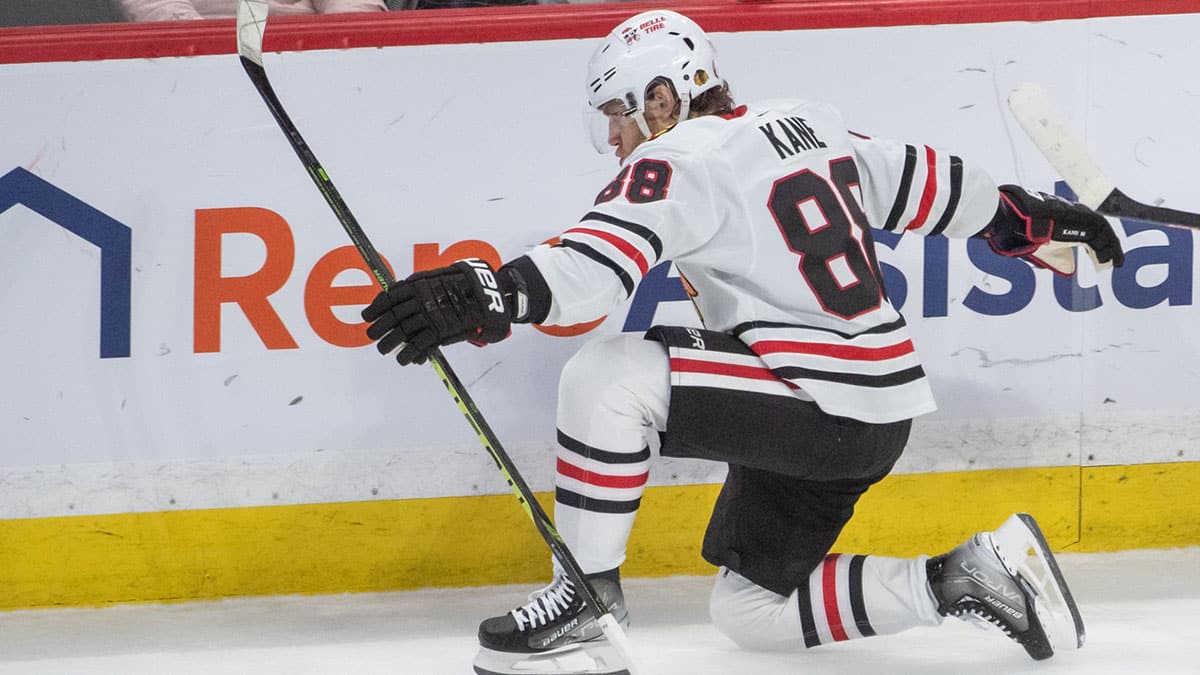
{"x":436,"y":308}
{"x":1043,"y":229}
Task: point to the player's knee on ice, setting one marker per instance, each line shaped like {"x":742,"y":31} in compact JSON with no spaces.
{"x":753,"y":617}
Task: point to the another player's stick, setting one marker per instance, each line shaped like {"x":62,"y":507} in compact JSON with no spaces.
{"x":1032,"y":107}
{"x":251,"y":24}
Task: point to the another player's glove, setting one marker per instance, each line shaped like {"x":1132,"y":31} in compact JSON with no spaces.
{"x":436,"y":308}
{"x":1044,"y":229}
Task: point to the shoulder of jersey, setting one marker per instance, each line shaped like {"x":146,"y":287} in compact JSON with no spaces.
{"x":699,"y":132}
{"x":796,"y":106}
{"x":689,"y":137}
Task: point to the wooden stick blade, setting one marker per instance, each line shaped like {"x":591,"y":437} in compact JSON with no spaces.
{"x":251,"y":24}
{"x":1035,"y":112}
{"x":620,"y":641}
{"x":1045,"y":126}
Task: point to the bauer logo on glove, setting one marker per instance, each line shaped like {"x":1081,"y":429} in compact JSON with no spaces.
{"x":487,"y":282}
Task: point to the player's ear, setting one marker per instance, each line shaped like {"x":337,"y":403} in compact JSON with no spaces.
{"x":660,"y":94}
{"x":661,"y":102}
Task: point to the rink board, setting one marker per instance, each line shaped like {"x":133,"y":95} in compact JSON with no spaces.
{"x":406,"y":544}
{"x":206,"y":420}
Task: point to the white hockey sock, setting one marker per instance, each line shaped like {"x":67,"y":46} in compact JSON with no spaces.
{"x":612,"y":395}
{"x":847,"y":597}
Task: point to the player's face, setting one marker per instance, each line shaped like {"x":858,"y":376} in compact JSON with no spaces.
{"x":623,"y":131}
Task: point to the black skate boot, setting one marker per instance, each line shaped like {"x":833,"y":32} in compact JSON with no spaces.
{"x":1009,"y":579}
{"x":554,"y":633}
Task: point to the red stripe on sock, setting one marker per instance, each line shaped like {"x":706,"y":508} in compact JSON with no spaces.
{"x":600,"y":479}
{"x":829,"y":590}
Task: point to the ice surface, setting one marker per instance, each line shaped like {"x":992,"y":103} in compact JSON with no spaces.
{"x":1142,"y":610}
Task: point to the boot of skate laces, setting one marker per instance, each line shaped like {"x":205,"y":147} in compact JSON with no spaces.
{"x":1009,"y":579}
{"x":554,"y":633}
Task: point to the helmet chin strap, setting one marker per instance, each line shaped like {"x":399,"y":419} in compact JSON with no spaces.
{"x":640,"y":117}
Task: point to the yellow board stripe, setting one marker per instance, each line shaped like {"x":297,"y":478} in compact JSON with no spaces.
{"x":469,"y":541}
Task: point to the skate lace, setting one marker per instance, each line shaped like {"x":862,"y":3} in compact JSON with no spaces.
{"x":545,"y":605}
{"x":982,"y":619}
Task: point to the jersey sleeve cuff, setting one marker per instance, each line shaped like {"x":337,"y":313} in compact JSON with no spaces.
{"x":525,"y":289}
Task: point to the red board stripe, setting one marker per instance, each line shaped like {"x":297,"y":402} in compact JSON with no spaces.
{"x":524,"y":24}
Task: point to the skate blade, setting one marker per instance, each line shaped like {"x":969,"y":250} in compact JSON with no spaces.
{"x":1024,"y":551}
{"x":583,"y":658}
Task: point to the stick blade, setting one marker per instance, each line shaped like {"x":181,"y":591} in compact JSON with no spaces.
{"x":1046,"y":127}
{"x":251,"y":24}
{"x":620,"y":641}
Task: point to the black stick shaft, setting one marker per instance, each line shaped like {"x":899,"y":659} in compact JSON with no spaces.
{"x":258,"y":75}
{"x":1122,"y":205}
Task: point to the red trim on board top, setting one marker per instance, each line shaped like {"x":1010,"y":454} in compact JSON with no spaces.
{"x":550,"y":22}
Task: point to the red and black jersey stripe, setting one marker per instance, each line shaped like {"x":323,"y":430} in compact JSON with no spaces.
{"x":956,"y":180}
{"x":928,"y":191}
{"x":902,"y":194}
{"x":644,"y":233}
{"x":626,"y":280}
{"x":625,"y":247}
{"x":878,"y":357}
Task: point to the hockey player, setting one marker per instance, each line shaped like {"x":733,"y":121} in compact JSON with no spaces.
{"x":803,"y":380}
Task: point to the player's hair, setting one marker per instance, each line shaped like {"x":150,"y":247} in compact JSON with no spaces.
{"x":717,"y":101}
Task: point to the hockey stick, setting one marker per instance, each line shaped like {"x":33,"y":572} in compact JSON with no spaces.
{"x":1033,"y":109}
{"x":251,"y":25}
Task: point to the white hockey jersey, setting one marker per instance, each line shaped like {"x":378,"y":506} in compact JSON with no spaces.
{"x":765,"y":213}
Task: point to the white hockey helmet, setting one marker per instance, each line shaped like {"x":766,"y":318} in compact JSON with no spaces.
{"x":654,"y":45}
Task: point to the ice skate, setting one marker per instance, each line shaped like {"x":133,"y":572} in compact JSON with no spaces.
{"x":553,"y":634}
{"x":1009,"y":579}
